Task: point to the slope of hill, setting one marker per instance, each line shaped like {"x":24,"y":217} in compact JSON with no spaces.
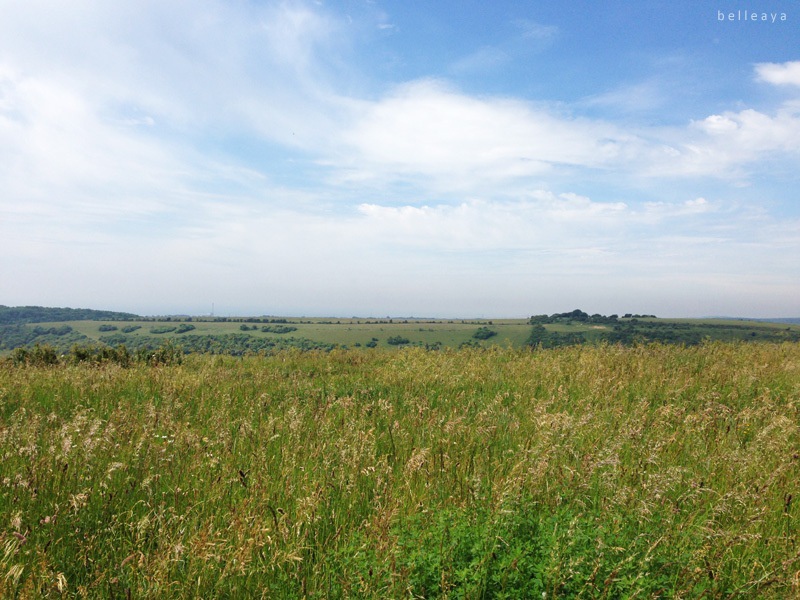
{"x":787,"y":320}
{"x":16,"y":315}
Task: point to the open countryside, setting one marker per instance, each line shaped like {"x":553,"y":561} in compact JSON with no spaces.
{"x":64,"y":328}
{"x":527,"y":458}
{"x":443,"y":301}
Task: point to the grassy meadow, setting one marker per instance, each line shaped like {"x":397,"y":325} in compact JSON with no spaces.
{"x":254,"y":335}
{"x":601,"y":471}
{"x":340,"y":332}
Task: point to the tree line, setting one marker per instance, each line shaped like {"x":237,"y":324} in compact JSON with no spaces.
{"x":41,"y":314}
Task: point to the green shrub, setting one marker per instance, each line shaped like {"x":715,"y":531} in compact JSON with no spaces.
{"x":278,"y":329}
{"x":165,"y":355}
{"x":37,"y":356}
{"x":484,"y":333}
{"x":470,"y":553}
{"x":57,"y":331}
{"x":100,"y":355}
{"x":161,"y":329}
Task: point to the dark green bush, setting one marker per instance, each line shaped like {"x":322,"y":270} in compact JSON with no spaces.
{"x":278,"y":329}
{"x":100,"y":355}
{"x":165,"y":355}
{"x":38,"y":356}
{"x":161,"y":329}
{"x":484,"y":333}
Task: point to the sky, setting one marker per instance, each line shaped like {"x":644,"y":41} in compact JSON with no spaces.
{"x":433,"y":158}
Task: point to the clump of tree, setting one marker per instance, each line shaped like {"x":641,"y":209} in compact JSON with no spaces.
{"x":575,"y":316}
{"x":235,"y":344}
{"x":100,"y":354}
{"x":96,"y":354}
{"x":57,"y":331}
{"x":542,"y":338}
{"x":484,"y":333}
{"x":397,"y":340}
{"x":184,"y":327}
{"x":60,"y":338}
{"x":635,"y":331}
{"x":162,"y":329}
{"x":164,"y":355}
{"x":43,"y":314}
{"x":248,"y":320}
{"x":38,"y":356}
{"x":106,"y":327}
{"x":278,"y":329}
{"x":642,"y":329}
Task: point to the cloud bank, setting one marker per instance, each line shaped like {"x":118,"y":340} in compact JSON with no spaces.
{"x":176,"y":154}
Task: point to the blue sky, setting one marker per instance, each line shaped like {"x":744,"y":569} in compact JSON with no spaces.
{"x":373,"y":158}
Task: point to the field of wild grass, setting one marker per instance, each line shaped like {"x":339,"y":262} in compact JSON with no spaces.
{"x":583,"y":472}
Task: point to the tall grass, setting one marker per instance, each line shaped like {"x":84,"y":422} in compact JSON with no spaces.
{"x":594,"y":472}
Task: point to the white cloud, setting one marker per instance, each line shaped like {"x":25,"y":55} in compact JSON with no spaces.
{"x":483,"y":59}
{"x":524,"y":38}
{"x":105,"y":111}
{"x":730,"y":145}
{"x":426,"y":129}
{"x":543,"y":222}
{"x":60,"y":155}
{"x":787,"y":73}
{"x":637,"y":97}
{"x":120,"y":167}
{"x":188,"y":67}
{"x":531,"y":30}
{"x":749,"y":132}
{"x":268,"y":72}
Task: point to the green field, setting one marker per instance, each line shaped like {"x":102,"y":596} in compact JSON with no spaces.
{"x":342,"y":332}
{"x":594,"y":471}
{"x":252,"y":335}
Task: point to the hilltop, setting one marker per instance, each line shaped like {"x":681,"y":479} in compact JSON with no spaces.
{"x":11,"y":315}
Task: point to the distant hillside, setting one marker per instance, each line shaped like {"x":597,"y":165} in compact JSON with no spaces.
{"x":787,"y":320}
{"x":16,"y":315}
